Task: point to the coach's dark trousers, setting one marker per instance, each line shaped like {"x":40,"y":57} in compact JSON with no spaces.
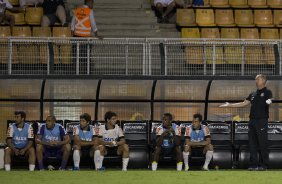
{"x":258,"y":142}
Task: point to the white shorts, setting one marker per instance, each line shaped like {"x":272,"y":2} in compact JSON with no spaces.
{"x":165,"y":3}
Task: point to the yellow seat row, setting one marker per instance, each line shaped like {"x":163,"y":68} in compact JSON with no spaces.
{"x":244,"y":3}
{"x":229,"y":17}
{"x":232,"y":33}
{"x":32,"y":16}
{"x":35,"y":53}
{"x":26,"y":31}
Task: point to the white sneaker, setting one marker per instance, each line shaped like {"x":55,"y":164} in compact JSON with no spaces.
{"x":179,"y":166}
{"x":186,"y":167}
{"x":154,"y":166}
{"x":205,"y":168}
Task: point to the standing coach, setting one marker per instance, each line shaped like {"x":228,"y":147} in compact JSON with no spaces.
{"x":259,"y":114}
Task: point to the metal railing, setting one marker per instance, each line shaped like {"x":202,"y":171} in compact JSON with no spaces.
{"x":176,"y":57}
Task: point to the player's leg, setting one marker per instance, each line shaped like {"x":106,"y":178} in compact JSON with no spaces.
{"x":186,"y":152}
{"x":208,"y":150}
{"x":30,"y":153}
{"x":76,"y":157}
{"x":253,"y":145}
{"x":61,"y":14}
{"x":159,"y":9}
{"x":66,"y":153}
{"x":124,"y":151}
{"x":262,"y":137}
{"x":178,"y":158}
{"x":39,"y":156}
{"x":100,"y":152}
{"x":156,"y":156}
{"x":8,"y":153}
{"x":171,"y":6}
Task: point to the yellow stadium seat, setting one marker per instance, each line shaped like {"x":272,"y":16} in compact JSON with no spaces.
{"x":22,"y":51}
{"x":61,"y":32}
{"x":22,"y":31}
{"x":5,"y":31}
{"x":244,"y":18}
{"x":249,"y":33}
{"x":277,"y":18}
{"x":269,"y":33}
{"x":194,"y":54}
{"x":274,"y":3}
{"x":33,"y":15}
{"x":210,"y":33}
{"x":14,"y":2}
{"x":231,"y":33}
{"x":41,"y":49}
{"x":257,"y":3}
{"x":19,"y":18}
{"x":263,"y":18}
{"x":239,"y":3}
{"x":224,"y":17}
{"x":41,"y":32}
{"x":4,"y":50}
{"x":185,"y":17}
{"x":62,"y":51}
{"x":190,"y":33}
{"x":219,"y":3}
{"x":205,"y":17}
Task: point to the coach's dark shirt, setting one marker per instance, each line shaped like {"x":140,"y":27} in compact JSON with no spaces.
{"x":259,"y":107}
{"x":50,"y":6}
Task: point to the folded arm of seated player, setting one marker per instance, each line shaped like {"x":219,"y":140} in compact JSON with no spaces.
{"x":207,"y":141}
{"x":78,"y":141}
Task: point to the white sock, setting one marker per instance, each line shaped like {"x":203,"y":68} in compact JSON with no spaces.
{"x":76,"y":158}
{"x":98,"y":159}
{"x":31,"y":167}
{"x":124,"y":163}
{"x":208,"y":158}
{"x":7,"y":167}
{"x":154,"y":166}
{"x":186,"y":159}
{"x":179,"y":166}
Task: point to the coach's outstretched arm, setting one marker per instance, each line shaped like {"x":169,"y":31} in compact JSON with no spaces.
{"x":236,"y":105}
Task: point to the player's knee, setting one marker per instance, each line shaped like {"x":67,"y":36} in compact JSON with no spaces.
{"x":45,"y":22}
{"x":67,"y":147}
{"x":31,"y":151}
{"x":125,"y":148}
{"x":209,"y":147}
{"x":159,"y":6}
{"x":7,"y":151}
{"x":157,"y":149}
{"x":102,"y":148}
{"x":186,"y":148}
{"x":39,"y":148}
{"x":76,"y":147}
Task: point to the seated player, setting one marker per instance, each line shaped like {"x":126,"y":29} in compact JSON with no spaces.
{"x":52,"y":141}
{"x":167,"y":142}
{"x":54,"y":11}
{"x":84,"y":141}
{"x":197,"y":136}
{"x":111,"y":141}
{"x":19,"y":141}
{"x":4,"y":17}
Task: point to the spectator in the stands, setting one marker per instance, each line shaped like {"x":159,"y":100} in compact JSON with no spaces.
{"x":83,"y":22}
{"x":54,"y":11}
{"x":165,"y":9}
{"x":24,"y":3}
{"x":4,"y":17}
